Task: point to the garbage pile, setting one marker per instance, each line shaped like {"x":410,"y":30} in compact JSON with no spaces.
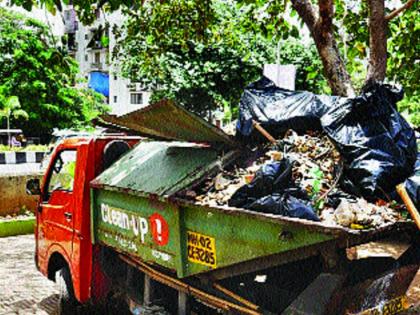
{"x":297,"y":177}
{"x":342,"y":167}
{"x":360,"y":214}
{"x":313,"y":164}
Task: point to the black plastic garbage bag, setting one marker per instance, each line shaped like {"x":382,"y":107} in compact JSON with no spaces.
{"x":271,"y":177}
{"x":412,"y":184}
{"x":284,"y":204}
{"x":271,"y":191}
{"x":278,"y":110}
{"x":377,"y":145}
{"x":335,"y":197}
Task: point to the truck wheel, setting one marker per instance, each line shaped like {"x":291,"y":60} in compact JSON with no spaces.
{"x":67,"y":303}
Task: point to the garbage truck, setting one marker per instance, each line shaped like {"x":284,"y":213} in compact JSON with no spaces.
{"x":115,"y":232}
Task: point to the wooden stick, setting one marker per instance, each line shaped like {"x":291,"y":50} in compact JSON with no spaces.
{"x":233,"y":295}
{"x":264,"y":132}
{"x":186,"y":288}
{"x":409,"y":204}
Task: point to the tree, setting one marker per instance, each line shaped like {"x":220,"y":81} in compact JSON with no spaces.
{"x":210,"y":71}
{"x":200,"y":73}
{"x":326,"y":20}
{"x":43,"y":77}
{"x":12,"y":108}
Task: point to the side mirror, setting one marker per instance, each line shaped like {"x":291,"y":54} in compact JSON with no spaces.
{"x":33,"y":187}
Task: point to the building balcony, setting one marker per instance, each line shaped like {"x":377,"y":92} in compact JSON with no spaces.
{"x":96,"y":66}
{"x":95,"y":46}
{"x":135,"y":87}
{"x":99,"y":66}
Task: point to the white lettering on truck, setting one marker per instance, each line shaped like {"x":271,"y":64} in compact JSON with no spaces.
{"x":119,"y":218}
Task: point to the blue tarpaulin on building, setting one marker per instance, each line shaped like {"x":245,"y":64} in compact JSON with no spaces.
{"x":99,"y":81}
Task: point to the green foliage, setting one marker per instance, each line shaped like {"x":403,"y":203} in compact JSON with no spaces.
{"x":12,"y":108}
{"x":316,"y":175}
{"x":410,"y":107}
{"x":42,"y":76}
{"x":28,"y":148}
{"x":178,"y":21}
{"x":404,"y":50}
{"x":203,"y":56}
{"x":403,"y":65}
{"x":352,"y":35}
{"x":309,"y":76}
{"x":191,"y":52}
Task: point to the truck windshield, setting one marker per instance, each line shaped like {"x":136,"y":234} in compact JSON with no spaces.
{"x":63,"y":170}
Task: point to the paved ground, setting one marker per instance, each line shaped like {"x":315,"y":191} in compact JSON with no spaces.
{"x":26,"y":168}
{"x":23,"y":290}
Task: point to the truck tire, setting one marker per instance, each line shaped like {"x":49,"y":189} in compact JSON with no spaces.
{"x":67,"y":303}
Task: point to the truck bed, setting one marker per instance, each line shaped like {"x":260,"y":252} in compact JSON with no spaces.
{"x":191,"y":239}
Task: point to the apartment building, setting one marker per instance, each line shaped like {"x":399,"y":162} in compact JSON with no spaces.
{"x":92,"y":46}
{"x":97,"y":70}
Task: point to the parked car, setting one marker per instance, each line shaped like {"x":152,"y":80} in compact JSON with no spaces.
{"x":57,"y":137}
{"x":5,"y":134}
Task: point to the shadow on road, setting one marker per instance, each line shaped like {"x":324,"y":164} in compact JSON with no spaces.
{"x":49,"y":304}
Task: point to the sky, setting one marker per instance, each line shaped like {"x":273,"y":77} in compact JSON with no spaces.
{"x":55,"y":21}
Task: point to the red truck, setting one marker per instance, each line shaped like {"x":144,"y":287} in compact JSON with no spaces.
{"x":108,"y":226}
{"x":64,"y":250}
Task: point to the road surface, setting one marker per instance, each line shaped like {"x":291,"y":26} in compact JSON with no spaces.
{"x":23,"y":290}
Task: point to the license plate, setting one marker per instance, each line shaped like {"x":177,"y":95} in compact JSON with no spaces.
{"x":390,"y":307}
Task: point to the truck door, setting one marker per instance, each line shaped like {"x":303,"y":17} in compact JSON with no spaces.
{"x":56,"y":228}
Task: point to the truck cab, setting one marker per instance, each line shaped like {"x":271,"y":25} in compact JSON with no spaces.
{"x":64,"y":250}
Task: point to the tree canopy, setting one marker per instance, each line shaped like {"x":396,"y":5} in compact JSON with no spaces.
{"x":43,"y":78}
{"x":358,"y":42}
{"x":331,"y":23}
{"x":159,"y":47}
{"x":198,"y":70}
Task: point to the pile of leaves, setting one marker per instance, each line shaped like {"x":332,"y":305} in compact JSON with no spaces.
{"x":316,"y":163}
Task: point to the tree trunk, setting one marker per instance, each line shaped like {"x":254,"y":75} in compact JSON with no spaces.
{"x":334,"y":68}
{"x":321,"y":27}
{"x":8,"y":130}
{"x":377,"y":42}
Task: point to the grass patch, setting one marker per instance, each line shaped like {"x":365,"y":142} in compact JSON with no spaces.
{"x":28,"y":148}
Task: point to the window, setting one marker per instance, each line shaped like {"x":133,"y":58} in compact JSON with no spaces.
{"x":67,"y":15}
{"x":136,"y":98}
{"x":63,"y":171}
{"x":71,"y":42}
{"x":115,"y":98}
{"x":86,"y":58}
{"x":86,"y":36}
{"x":97,"y":57}
{"x":115,"y":77}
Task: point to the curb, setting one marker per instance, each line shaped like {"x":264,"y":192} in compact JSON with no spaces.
{"x":21,"y":157}
{"x":17,"y":227}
